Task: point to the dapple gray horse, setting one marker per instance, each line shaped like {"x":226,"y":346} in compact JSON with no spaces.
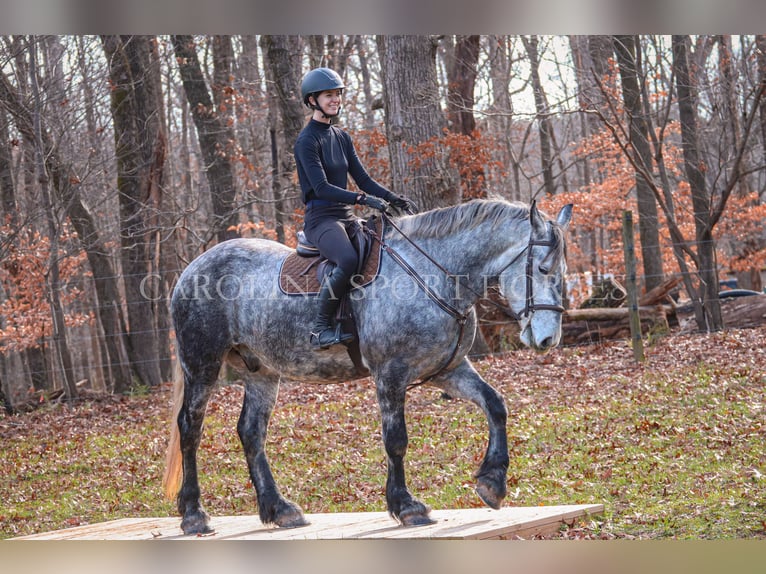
{"x":416,"y":322}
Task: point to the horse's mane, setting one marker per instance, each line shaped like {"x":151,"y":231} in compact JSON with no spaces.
{"x":464,"y":216}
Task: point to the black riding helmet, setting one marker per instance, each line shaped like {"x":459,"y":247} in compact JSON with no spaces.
{"x":319,"y":80}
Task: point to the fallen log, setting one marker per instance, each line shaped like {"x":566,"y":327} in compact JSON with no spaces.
{"x":743,"y":312}
{"x":593,"y":325}
{"x":659,"y":293}
{"x":614,"y":313}
{"x":736,"y":312}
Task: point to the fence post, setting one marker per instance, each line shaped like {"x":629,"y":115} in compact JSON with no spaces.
{"x":630,"y":284}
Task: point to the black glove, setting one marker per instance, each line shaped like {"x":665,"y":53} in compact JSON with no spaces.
{"x":403,"y":203}
{"x":374,"y":202}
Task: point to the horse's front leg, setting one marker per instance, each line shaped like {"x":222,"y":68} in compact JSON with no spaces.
{"x":401,"y":504}
{"x":465,"y":383}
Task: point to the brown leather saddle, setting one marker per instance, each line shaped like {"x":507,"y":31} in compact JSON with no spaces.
{"x":302,"y":272}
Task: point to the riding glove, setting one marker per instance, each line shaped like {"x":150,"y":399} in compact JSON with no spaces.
{"x":403,"y":203}
{"x":372,"y":201}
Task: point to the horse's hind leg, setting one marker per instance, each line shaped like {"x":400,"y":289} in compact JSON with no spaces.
{"x":401,"y":504}
{"x":465,"y":383}
{"x":260,"y":397}
{"x":198,"y":387}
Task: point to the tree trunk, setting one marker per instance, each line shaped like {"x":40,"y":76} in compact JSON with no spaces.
{"x":370,"y":103}
{"x":502,"y":113}
{"x":586,"y":97}
{"x":140,"y":148}
{"x":420,"y":167}
{"x":7,"y":188}
{"x":60,"y":346}
{"x":707,"y":306}
{"x":649,"y":236}
{"x":283,"y":58}
{"x":462,"y":69}
{"x":215,"y":138}
{"x":760,"y":41}
{"x":541,"y":107}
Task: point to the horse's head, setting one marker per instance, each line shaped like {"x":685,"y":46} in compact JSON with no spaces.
{"x":533,"y":282}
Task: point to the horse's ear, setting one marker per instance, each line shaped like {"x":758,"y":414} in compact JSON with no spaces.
{"x":537,"y":221}
{"x":565,"y":216}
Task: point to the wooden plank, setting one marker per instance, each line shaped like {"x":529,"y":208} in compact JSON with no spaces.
{"x":476,"y":523}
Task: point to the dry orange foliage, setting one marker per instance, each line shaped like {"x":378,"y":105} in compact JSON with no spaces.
{"x":23,"y":275}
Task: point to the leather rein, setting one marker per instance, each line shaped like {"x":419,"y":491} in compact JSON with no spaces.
{"x":462,"y":317}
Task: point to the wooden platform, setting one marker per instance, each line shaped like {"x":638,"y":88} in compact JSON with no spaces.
{"x":478,"y":523}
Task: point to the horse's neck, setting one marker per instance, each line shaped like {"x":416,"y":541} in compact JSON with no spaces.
{"x":476,"y":254}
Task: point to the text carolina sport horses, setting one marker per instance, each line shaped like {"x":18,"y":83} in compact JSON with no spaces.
{"x":227,"y":306}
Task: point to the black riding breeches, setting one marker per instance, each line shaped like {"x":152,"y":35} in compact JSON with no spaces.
{"x":328,"y":229}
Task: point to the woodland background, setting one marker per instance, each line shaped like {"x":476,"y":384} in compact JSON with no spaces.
{"x":124,"y":157}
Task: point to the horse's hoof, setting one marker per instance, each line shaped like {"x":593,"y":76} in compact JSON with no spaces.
{"x":290,"y":515}
{"x":489,"y":495}
{"x":292,"y":522}
{"x":417,"y":515}
{"x":196,"y":524}
{"x":417,"y":520}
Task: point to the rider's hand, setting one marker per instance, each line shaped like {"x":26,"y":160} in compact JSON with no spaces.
{"x":403,"y":203}
{"x":374,"y":202}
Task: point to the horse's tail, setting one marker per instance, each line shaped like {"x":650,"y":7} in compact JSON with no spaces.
{"x":171,"y":481}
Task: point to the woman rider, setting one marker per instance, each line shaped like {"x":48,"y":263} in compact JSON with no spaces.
{"x":325,"y":156}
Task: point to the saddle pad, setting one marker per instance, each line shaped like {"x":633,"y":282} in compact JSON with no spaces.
{"x":298,"y":275}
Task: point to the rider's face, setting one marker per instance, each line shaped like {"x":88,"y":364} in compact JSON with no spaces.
{"x":329,"y":101}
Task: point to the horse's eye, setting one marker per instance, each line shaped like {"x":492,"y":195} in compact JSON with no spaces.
{"x":544,"y":269}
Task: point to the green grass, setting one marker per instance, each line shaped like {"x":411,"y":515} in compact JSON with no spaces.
{"x":673,"y":448}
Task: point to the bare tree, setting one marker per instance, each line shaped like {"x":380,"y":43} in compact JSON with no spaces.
{"x":462,"y":70}
{"x":707,"y":306}
{"x":140,"y":144}
{"x":53,"y":288}
{"x":216,"y":138}
{"x":545,"y":129}
{"x":283,"y":60}
{"x":760,"y":42}
{"x":632,"y":75}
{"x":414,"y":117}
{"x":7,"y":188}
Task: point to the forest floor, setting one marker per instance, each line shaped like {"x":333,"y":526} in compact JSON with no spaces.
{"x":674,"y":447}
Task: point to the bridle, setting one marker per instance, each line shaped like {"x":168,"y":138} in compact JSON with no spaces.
{"x":529,"y":297}
{"x":462,"y":317}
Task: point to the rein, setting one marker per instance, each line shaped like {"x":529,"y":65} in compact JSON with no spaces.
{"x":461,"y":317}
{"x":454,"y":312}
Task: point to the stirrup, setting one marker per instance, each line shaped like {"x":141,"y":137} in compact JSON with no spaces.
{"x":328,"y":337}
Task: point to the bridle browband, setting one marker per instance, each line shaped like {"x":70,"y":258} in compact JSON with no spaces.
{"x":461,"y":317}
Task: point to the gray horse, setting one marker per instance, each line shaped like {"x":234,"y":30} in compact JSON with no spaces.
{"x":416,"y":322}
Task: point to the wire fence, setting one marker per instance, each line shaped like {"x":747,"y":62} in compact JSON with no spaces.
{"x":87,"y":341}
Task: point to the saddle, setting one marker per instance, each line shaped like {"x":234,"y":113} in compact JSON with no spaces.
{"x":302,"y":272}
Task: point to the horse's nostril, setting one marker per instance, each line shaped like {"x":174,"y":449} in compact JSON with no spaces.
{"x":546,"y":343}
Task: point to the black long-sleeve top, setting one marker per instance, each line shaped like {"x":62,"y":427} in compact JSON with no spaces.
{"x":325,"y":156}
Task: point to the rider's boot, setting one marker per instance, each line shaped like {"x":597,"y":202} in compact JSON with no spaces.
{"x":324,"y":334}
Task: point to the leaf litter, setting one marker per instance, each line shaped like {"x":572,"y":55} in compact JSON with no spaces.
{"x":673,"y":447}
